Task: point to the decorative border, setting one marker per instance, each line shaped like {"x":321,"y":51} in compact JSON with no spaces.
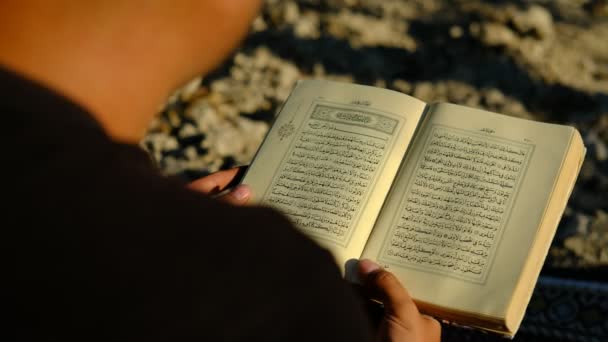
{"x":475,"y":280}
{"x":355,"y":118}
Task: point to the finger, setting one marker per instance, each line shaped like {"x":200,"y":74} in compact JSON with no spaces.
{"x":432,"y":327}
{"x":384,"y":284}
{"x":239,"y":195}
{"x":215,"y":182}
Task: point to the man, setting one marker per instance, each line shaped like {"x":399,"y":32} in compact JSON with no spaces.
{"x":106,"y":248}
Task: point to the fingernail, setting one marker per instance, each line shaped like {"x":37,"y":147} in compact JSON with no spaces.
{"x":367,"y":266}
{"x":241,"y":192}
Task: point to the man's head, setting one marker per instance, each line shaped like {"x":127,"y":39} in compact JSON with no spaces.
{"x":119,"y":59}
{"x":202,"y":31}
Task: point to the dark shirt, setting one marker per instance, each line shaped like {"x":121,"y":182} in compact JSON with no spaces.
{"x":105,"y":248}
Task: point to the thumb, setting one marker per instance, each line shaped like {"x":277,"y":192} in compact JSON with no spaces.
{"x":388,"y":289}
{"x":239,"y":195}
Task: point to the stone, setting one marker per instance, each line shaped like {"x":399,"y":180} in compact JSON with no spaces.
{"x":600,"y":223}
{"x":292,"y":12}
{"x":424,"y":91}
{"x":494,"y":97}
{"x":402,"y":86}
{"x":536,"y":19}
{"x":573,"y":224}
{"x":362,"y":30}
{"x":190,"y":153}
{"x":174,"y":118}
{"x":577,"y":245}
{"x":494,"y":34}
{"x":190,"y":89}
{"x":456,"y":32}
{"x":169,"y":144}
{"x":308,"y":26}
{"x":597,"y":145}
{"x":591,"y":245}
{"x":600,"y":8}
{"x":259,"y":24}
{"x":187,"y":130}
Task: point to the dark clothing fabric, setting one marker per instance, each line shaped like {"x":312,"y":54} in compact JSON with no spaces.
{"x":105,"y":248}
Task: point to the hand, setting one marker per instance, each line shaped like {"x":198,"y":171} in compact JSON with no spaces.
{"x":402,"y":321}
{"x":217,"y":182}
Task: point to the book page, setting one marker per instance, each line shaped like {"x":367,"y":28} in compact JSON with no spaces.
{"x":459,"y":223}
{"x":330,"y":157}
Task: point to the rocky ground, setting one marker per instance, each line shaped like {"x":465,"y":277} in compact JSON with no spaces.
{"x":541,"y":60}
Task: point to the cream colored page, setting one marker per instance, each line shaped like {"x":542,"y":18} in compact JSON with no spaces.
{"x":459,"y":223}
{"x":330,"y":157}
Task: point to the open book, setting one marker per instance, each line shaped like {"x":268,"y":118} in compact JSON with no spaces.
{"x":459,"y":203}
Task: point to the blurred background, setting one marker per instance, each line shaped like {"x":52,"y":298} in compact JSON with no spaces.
{"x":542,"y":60}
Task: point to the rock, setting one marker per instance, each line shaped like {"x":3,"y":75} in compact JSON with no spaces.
{"x":573,"y":224}
{"x":402,"y":86}
{"x":600,"y":223}
{"x":158,"y":125}
{"x":292,"y":12}
{"x":380,"y":83}
{"x":259,"y":24}
{"x":362,"y":30}
{"x":536,"y":19}
{"x":494,"y":34}
{"x":456,"y":32}
{"x":308,"y":26}
{"x":256,"y":81}
{"x":169,"y":144}
{"x":588,"y":169}
{"x":190,"y":89}
{"x":283,"y":12}
{"x":475,"y":29}
{"x":190,"y":153}
{"x":461,"y":92}
{"x":494,"y":97}
{"x":592,"y":245}
{"x":174,"y":118}
{"x":152,"y":143}
{"x":187,"y":130}
{"x":599,"y":8}
{"x":604,"y":256}
{"x":186,"y":92}
{"x":424,"y":91}
{"x":597,"y":146}
{"x":583,"y":223}
{"x":577,"y":245}
{"x":170,"y":165}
